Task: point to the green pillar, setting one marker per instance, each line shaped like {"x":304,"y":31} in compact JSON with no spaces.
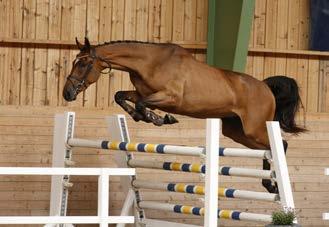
{"x":229,"y":27}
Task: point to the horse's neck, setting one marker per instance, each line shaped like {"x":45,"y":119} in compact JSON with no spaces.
{"x":128,"y":56}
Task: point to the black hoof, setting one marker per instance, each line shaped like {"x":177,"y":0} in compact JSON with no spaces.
{"x":168,"y":119}
{"x":137,"y":117}
{"x":269,"y":187}
{"x":285,"y":146}
{"x":157,"y":123}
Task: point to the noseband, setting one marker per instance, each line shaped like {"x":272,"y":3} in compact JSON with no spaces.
{"x":82,"y":83}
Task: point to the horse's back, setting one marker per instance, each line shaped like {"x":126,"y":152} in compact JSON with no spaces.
{"x":214,"y":92}
{"x":200,"y":90}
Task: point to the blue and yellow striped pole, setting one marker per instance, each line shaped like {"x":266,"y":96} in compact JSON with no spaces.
{"x":166,"y":149}
{"x":200,"y":190}
{"x":199,"y":211}
{"x":199,"y":168}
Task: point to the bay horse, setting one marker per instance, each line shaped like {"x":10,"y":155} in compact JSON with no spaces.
{"x":167,"y":77}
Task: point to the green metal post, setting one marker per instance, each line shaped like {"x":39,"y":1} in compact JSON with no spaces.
{"x":229,"y":27}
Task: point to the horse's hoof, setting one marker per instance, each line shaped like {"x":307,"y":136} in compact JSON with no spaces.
{"x":269,"y":187}
{"x":169,"y":119}
{"x":157,"y":123}
{"x":137,"y":117}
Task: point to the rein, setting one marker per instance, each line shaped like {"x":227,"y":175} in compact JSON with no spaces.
{"x":82,"y":82}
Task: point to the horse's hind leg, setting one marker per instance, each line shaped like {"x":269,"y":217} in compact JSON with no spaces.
{"x":232,"y":128}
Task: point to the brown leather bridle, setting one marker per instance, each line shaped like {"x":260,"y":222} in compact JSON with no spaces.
{"x":82,"y":82}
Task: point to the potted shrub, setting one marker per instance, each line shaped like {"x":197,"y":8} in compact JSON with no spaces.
{"x":284,"y":218}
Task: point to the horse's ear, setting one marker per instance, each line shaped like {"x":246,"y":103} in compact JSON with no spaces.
{"x":80,"y":46}
{"x":87,"y":43}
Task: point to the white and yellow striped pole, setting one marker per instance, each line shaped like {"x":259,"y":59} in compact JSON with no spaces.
{"x":200,"y":190}
{"x":200,"y":211}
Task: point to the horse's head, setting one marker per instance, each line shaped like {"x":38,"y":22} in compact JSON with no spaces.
{"x":85,"y":71}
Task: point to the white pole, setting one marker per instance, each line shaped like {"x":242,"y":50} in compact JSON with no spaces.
{"x":103,"y":198}
{"x":326,"y":172}
{"x":325,"y":216}
{"x":61,"y":219}
{"x":128,"y":204}
{"x":280,"y":164}
{"x":211,"y":184}
{"x":66,"y":171}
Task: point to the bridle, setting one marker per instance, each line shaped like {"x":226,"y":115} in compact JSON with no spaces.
{"x":82,"y":82}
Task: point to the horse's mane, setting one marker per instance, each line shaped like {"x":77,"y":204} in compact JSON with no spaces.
{"x":133,"y":42}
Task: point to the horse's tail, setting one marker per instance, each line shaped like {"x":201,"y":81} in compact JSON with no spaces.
{"x":287,"y":99}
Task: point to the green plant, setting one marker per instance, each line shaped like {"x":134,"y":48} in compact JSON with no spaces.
{"x":285,"y":216}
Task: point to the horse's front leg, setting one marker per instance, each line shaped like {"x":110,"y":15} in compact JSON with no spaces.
{"x":140,"y":113}
{"x":157,"y":99}
{"x":122,"y":96}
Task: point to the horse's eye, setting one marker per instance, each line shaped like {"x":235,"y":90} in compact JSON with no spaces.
{"x":82,"y":63}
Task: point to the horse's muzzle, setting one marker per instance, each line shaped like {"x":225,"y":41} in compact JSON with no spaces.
{"x":69,"y":95}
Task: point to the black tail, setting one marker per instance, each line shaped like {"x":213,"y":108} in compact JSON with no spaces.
{"x":286,"y":93}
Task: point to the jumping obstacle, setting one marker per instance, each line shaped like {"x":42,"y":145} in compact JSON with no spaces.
{"x":278,"y":159}
{"x":63,"y":135}
{"x":103,"y":219}
{"x":120,"y":141}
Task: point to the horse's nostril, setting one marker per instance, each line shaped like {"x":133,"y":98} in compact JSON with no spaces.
{"x":67,"y":95}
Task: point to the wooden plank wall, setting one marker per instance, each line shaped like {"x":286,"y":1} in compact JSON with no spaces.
{"x":34,"y":74}
{"x":283,"y":26}
{"x":26,"y":140}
